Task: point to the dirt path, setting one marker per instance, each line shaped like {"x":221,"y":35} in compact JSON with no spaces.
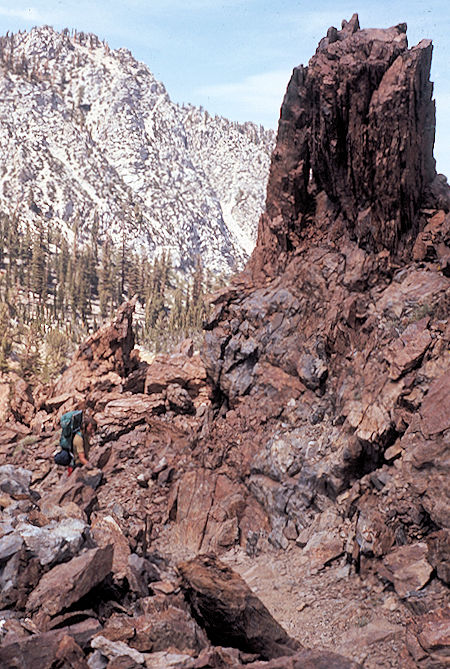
{"x":332,"y":609}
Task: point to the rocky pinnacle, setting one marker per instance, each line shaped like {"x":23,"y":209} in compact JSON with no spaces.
{"x":357,"y":126}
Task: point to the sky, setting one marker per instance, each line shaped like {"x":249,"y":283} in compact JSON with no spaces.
{"x":235,"y":57}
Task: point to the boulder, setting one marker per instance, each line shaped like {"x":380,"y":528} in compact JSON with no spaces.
{"x":105,"y":531}
{"x":210,"y":509}
{"x":55,"y":542}
{"x":67,"y":583}
{"x":406,"y":352}
{"x":428,"y":638}
{"x":78,"y":488}
{"x":116,"y":649}
{"x":122,"y":415}
{"x":70,"y":654}
{"x":108,"y":350}
{"x":15,"y":481}
{"x":229,"y":612}
{"x":435,"y":409}
{"x":40,"y":650}
{"x":10,"y":544}
{"x":407,"y":568}
{"x":439,"y":553}
{"x":21,"y":403}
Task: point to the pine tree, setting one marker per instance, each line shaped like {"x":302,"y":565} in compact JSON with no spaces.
{"x":5,"y":336}
{"x":38,"y":265}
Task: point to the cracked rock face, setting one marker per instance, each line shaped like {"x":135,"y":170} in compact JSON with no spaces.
{"x":330,"y":351}
{"x":357,"y":126}
{"x":317,"y":418}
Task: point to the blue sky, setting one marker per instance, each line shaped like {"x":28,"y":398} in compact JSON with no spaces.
{"x":235,"y":57}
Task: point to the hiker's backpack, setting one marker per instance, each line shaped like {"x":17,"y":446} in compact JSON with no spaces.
{"x":71,"y":423}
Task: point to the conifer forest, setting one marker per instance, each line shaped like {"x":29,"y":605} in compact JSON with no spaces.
{"x":53,"y":293}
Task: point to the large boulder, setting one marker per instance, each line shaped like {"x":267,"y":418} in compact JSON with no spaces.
{"x":67,"y":583}
{"x":230,"y":613}
{"x":42,"y":650}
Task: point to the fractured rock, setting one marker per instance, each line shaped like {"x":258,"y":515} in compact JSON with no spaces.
{"x":407,"y":568}
{"x":106,"y":531}
{"x":39,"y":650}
{"x":439,"y":553}
{"x":107,"y":350}
{"x":79,"y":488}
{"x":67,"y":583}
{"x":230,"y":613}
{"x":70,"y":654}
{"x":55,"y":542}
{"x":15,"y":481}
{"x":116,"y":649}
{"x":308,"y":659}
{"x":406,"y":351}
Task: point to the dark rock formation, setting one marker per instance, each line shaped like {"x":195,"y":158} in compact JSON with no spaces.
{"x":106,"y":357}
{"x":329,"y":355}
{"x":69,"y":582}
{"x":230,"y":613}
{"x":357,"y":132}
{"x":338,"y":333}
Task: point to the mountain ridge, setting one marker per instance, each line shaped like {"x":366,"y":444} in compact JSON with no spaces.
{"x":88,"y":134}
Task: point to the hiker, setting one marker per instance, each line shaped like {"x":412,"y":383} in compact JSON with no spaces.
{"x":80,"y":444}
{"x":74,"y":441}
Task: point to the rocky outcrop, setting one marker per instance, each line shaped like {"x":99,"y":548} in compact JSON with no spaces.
{"x":83,"y":598}
{"x":345,"y":341}
{"x":329,"y":355}
{"x":105,"y":357}
{"x":317,"y":419}
{"x":354,"y":146}
{"x":67,"y":583}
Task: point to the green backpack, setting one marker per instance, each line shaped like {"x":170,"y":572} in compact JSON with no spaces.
{"x":71,"y":423}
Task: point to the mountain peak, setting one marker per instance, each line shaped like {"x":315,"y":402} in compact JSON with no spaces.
{"x":96,"y":137}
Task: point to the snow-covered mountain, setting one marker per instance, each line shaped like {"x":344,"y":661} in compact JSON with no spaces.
{"x":89,"y":136}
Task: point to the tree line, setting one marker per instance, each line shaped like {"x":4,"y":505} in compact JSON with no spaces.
{"x":55,"y":291}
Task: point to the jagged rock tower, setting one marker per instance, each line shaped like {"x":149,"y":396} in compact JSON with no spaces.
{"x":357,"y":127}
{"x":330,"y":351}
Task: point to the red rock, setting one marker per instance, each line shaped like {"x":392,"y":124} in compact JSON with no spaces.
{"x":434,"y":636}
{"x":116,"y":649}
{"x":107,"y":350}
{"x":105,"y":531}
{"x":78,"y":488}
{"x":439,"y":553}
{"x":308,"y":659}
{"x":428,"y":638}
{"x":322,"y":548}
{"x":67,"y":583}
{"x":178,"y":370}
{"x":167,"y":628}
{"x":70,"y":655}
{"x":21,"y":403}
{"x":209,"y":509}
{"x":39,"y":650}
{"x":407,"y":568}
{"x":406,"y":351}
{"x":435,"y":410}
{"x":229,"y":612}
{"x":126,"y":412}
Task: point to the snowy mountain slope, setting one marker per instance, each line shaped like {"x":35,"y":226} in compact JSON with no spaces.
{"x":88,"y":134}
